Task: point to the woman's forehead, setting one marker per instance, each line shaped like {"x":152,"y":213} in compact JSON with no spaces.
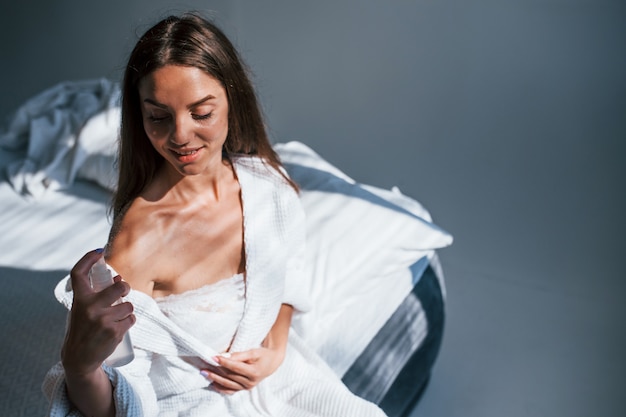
{"x":174,"y":83}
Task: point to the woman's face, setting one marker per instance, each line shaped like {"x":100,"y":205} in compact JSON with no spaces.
{"x":185,"y":115}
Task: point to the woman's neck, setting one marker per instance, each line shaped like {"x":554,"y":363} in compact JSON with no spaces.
{"x":207,"y":186}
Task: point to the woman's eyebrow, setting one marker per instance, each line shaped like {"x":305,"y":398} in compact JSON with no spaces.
{"x":192,"y":105}
{"x":201,"y":101}
{"x":154,"y":103}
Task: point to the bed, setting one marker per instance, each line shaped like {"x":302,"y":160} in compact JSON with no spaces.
{"x":373,"y":273}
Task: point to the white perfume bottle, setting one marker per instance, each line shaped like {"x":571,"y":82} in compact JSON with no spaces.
{"x":101,"y":278}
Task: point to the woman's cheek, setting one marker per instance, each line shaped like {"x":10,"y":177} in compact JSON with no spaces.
{"x":156,"y":131}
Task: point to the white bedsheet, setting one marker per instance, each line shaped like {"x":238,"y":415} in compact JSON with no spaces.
{"x":53,"y":231}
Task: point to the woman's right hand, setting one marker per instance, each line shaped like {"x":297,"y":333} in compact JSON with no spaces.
{"x":95,"y":326}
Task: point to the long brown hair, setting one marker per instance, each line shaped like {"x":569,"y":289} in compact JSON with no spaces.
{"x":186,"y":40}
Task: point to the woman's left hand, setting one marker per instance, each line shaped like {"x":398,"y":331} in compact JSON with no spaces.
{"x":243,"y":370}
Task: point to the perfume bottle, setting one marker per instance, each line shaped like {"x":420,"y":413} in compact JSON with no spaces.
{"x":101,"y":277}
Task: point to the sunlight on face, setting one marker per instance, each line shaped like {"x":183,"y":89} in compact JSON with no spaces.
{"x":185,"y":116}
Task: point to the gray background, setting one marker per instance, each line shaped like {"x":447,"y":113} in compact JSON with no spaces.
{"x":506,"y":119}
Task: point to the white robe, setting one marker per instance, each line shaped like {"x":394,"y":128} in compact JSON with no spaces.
{"x":162,"y":380}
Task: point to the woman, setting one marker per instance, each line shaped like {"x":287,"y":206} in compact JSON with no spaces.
{"x":209,"y":234}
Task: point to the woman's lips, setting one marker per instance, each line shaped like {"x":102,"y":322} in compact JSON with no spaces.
{"x":186,"y":155}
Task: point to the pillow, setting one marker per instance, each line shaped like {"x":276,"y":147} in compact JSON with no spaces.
{"x":361,"y":242}
{"x":95,"y":155}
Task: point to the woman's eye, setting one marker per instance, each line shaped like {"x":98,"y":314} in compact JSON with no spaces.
{"x":202,"y":116}
{"x":156,"y":118}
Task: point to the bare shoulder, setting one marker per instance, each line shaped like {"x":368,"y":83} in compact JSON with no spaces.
{"x":129,"y":248}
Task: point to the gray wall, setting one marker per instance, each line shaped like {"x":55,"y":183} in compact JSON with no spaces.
{"x":506,"y":118}
{"x":45,"y":42}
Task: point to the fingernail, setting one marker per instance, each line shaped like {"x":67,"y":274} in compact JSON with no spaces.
{"x":99,"y":250}
{"x":225,"y":355}
{"x":216,"y":359}
{"x":204,"y":373}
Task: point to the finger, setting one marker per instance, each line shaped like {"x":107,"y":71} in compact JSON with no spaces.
{"x":121,"y":312}
{"x":114,"y":292}
{"x":246,"y":375}
{"x":223,"y":390}
{"x":225,"y":383}
{"x":118,"y":278}
{"x":79,"y":275}
{"x":116,"y":329}
{"x":239,"y":375}
{"x":247,"y":356}
{"x":207,"y":367}
{"x":126,"y":323}
{"x":232,"y":366}
{"x":241,"y":363}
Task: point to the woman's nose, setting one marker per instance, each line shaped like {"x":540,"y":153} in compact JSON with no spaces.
{"x":181,"y":133}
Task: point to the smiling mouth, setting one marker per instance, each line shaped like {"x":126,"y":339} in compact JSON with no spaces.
{"x":185,"y":155}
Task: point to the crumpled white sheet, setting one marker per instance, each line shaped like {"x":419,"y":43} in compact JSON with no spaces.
{"x":64,"y":131}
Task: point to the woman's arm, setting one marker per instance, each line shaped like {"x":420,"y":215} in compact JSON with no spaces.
{"x":94,"y":330}
{"x":276,"y":339}
{"x":92,"y":394}
{"x":244,"y":370}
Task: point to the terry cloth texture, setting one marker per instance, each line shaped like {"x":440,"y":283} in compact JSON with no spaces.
{"x":303,"y":386}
